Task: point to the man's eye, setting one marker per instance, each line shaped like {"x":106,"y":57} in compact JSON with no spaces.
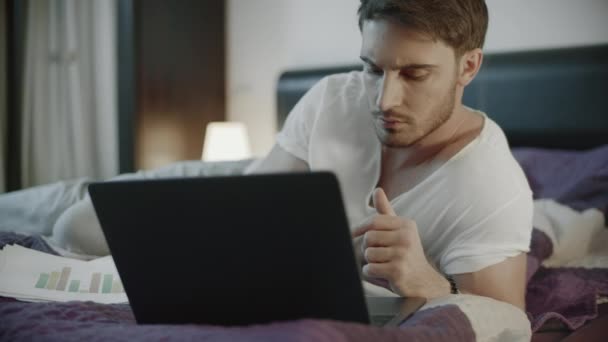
{"x":373,"y":71}
{"x":415,"y":76}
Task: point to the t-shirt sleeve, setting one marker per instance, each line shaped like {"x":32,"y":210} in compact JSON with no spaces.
{"x":294,"y":137}
{"x":492,"y":237}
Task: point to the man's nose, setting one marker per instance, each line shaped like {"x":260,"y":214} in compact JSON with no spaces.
{"x":390,"y":93}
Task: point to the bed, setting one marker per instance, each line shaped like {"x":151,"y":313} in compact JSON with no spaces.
{"x":550,"y":105}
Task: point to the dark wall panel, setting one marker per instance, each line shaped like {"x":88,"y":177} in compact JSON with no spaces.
{"x":127,"y":91}
{"x":3,"y":107}
{"x":16,"y":23}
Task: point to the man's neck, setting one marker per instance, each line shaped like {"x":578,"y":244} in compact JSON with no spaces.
{"x":427,"y":148}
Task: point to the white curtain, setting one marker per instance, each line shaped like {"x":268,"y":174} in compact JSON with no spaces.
{"x":69,"y":97}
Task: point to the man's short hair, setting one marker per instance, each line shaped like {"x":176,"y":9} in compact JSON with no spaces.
{"x":462,"y":24}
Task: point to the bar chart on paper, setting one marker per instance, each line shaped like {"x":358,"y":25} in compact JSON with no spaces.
{"x":26,"y":274}
{"x":97,"y":283}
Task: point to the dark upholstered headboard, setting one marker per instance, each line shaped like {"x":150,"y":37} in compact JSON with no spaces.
{"x":546,"y":98}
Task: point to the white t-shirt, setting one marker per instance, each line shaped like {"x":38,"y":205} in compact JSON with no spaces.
{"x":472,"y":212}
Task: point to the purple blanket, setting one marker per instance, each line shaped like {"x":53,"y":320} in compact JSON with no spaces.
{"x":564,"y":297}
{"x":86,"y":321}
{"x":561,"y":297}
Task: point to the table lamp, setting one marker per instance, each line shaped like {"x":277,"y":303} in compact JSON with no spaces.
{"x":226,"y":141}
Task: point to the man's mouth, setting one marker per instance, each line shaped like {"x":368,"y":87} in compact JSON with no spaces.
{"x":390,"y":123}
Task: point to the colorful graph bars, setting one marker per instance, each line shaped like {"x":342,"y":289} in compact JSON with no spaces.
{"x":59,"y":281}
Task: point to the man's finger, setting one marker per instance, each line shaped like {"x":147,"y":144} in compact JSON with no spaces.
{"x":377,"y":223}
{"x":377,"y":270}
{"x":382,"y":204}
{"x":361,"y":228}
{"x":380,"y":238}
{"x":378,"y":254}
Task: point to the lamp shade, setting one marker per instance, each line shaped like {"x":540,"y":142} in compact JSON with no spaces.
{"x":226,"y":141}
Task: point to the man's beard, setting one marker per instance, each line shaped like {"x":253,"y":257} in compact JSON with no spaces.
{"x":416,"y":130}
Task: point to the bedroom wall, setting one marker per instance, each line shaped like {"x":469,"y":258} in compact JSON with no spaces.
{"x":266,"y":37}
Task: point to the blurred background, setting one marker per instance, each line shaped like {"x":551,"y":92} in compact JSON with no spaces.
{"x":100,"y":87}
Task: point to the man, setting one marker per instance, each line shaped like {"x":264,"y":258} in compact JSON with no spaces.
{"x":437,"y":202}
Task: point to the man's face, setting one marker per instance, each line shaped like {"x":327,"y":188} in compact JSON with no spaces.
{"x":413,"y":80}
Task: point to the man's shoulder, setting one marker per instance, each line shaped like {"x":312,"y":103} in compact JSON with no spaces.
{"x":344,"y":84}
{"x":340,"y":80}
{"x":487,"y":166}
{"x":327,"y":91}
{"x":489,"y":146}
{"x":341,"y":93}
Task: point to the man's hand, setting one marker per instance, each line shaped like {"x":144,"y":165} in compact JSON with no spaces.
{"x":392,"y":249}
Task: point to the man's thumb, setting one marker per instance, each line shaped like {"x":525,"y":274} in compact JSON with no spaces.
{"x":382,"y":204}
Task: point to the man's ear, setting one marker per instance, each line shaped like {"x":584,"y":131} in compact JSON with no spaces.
{"x":469,"y":65}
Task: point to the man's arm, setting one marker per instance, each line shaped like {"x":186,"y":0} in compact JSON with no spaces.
{"x":278,"y":160}
{"x":392,"y":251}
{"x":505,"y":281}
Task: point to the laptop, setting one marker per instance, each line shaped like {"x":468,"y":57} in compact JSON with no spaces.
{"x":238,"y":250}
